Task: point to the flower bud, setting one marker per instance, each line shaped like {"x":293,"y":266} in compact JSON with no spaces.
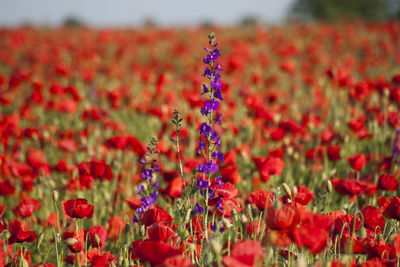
{"x":227,"y":224}
{"x":187,"y":216}
{"x":39,"y":240}
{"x":287,"y":189}
{"x":24,"y":263}
{"x":97,"y":239}
{"x":363,"y":232}
{"x":70,"y":241}
{"x":55,"y":196}
{"x":244,"y":219}
{"x":329,"y":186}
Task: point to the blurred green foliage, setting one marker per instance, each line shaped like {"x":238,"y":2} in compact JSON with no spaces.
{"x":332,"y":10}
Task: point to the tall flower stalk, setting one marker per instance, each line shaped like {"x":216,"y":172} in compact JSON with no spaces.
{"x":209,"y":144}
{"x":149,"y":189}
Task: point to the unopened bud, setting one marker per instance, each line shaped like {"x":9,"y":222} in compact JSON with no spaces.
{"x":287,"y":189}
{"x":55,"y":196}
{"x":363,"y":232}
{"x":187,"y":216}
{"x":277,"y":203}
{"x":70,"y":241}
{"x":97,"y":239}
{"x":24,"y":263}
{"x":244,"y":219}
{"x":329,"y":186}
{"x":227,"y":224}
{"x":125,"y":262}
{"x":39,"y":240}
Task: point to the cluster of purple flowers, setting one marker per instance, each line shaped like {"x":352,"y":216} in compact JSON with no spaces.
{"x":210,"y":144}
{"x":149,"y":194}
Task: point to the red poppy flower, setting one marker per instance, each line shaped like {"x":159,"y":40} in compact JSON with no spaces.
{"x":312,"y":237}
{"x":333,"y":153}
{"x":388,"y":182}
{"x":176,"y":261}
{"x":262,"y":199}
{"x":283,"y":218}
{"x":373,"y":218}
{"x":245,"y":253}
{"x":77,"y":208}
{"x":269,"y":166}
{"x":391,"y":208}
{"x":6,"y":188}
{"x":357,"y":161}
{"x":161,"y":231}
{"x":101,"y":232}
{"x":26,"y":207}
{"x":19,"y":235}
{"x":155,"y":214}
{"x":155,"y":252}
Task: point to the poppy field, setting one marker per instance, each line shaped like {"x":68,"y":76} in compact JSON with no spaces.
{"x":226,"y":146}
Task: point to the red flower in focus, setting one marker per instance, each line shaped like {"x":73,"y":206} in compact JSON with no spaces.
{"x":77,"y":208}
{"x":26,"y":207}
{"x":155,"y":214}
{"x":161,"y":231}
{"x":245,"y":253}
{"x":357,"y":161}
{"x":155,"y":252}
{"x":388,"y":182}
{"x":101,"y":232}
{"x":19,"y":235}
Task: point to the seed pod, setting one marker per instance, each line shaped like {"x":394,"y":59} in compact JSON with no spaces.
{"x":24,"y":263}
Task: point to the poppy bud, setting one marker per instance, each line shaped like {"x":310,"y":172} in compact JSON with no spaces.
{"x":227,"y":224}
{"x":363,"y":232}
{"x":329,"y":186}
{"x":287,"y":189}
{"x":277,"y":203}
{"x":294,"y":190}
{"x":187,"y":216}
{"x":244,"y":219}
{"x":24,"y":263}
{"x":125,"y":262}
{"x":216,"y":246}
{"x":301,"y":261}
{"x":39,"y":240}
{"x":120,"y":260}
{"x":55,"y":196}
{"x":70,"y":241}
{"x":97,"y":239}
{"x":192,"y":247}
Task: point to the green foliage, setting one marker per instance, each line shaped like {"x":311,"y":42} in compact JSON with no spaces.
{"x":328,"y":10}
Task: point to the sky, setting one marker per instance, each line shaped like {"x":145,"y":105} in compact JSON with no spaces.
{"x":117,"y":13}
